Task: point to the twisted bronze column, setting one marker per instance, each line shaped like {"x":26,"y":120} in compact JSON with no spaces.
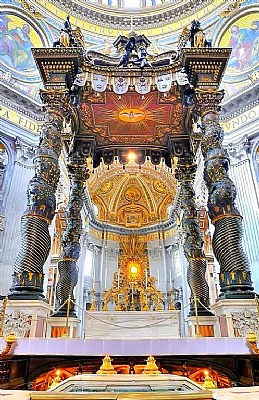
{"x":67,"y":266}
{"x":193,"y":240}
{"x":235,"y":276}
{"x":41,"y":204}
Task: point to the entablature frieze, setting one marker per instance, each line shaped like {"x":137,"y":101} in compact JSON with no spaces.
{"x":148,"y":19}
{"x":122,"y":234}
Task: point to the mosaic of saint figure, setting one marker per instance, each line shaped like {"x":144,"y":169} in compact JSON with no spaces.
{"x":245,"y":46}
{"x":15,"y":45}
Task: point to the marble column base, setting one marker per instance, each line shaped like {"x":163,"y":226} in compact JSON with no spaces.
{"x":58,"y":327}
{"x":204,"y":326}
{"x":225,"y":309}
{"x":27,"y":318}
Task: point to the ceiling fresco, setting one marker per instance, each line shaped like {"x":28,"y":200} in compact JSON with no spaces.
{"x":25,"y":25}
{"x":243,"y":37}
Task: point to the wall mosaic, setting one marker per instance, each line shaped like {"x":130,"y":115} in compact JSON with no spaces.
{"x":17,"y":38}
{"x":243,"y":37}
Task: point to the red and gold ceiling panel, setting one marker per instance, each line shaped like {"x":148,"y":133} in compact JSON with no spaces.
{"x":133,"y":118}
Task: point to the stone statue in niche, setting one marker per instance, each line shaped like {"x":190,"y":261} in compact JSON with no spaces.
{"x":164,"y":82}
{"x":99,"y":82}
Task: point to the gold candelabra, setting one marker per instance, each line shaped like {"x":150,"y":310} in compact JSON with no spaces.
{"x":2,"y":316}
{"x":106,"y":368}
{"x":252,"y":341}
{"x":93,"y":301}
{"x":9,"y":342}
{"x":171,"y":301}
{"x":151,"y":367}
{"x":136,"y":292}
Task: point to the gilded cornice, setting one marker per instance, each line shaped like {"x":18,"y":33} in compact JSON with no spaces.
{"x":240,"y":103}
{"x":121,"y":17}
{"x":143,"y":237}
{"x":109,"y":22}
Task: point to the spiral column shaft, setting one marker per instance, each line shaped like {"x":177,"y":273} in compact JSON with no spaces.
{"x":193,"y":240}
{"x":67,"y":266}
{"x":235,"y":276}
{"x":41,"y":203}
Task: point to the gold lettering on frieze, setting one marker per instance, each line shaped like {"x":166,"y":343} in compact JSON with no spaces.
{"x":95,"y":233}
{"x":241,"y":120}
{"x":124,"y":239}
{"x":21,"y":121}
{"x":170,"y":232}
{"x":113,"y":236}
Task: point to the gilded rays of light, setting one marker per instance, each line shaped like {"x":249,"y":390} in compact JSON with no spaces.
{"x":154,"y":114}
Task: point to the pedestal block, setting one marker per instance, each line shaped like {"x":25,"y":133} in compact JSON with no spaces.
{"x":58,"y":327}
{"x":132,"y":324}
{"x":205,"y":326}
{"x":236,"y":312}
{"x":27,"y":318}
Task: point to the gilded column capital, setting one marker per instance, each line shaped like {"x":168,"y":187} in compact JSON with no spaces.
{"x":56,"y":100}
{"x":185,"y":170}
{"x":208,"y":101}
{"x":78,"y":171}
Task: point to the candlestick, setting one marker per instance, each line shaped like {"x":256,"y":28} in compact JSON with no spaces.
{"x":170,"y":278}
{"x":105,"y":279}
{"x":93,"y":279}
{"x":118,"y":279}
{"x":146,"y":277}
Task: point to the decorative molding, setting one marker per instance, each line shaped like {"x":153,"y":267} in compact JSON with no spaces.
{"x":245,"y":322}
{"x":107,"y":18}
{"x":25,"y":153}
{"x":17,"y":322}
{"x":232,"y":107}
{"x":155,"y":253}
{"x":111,"y":253}
{"x":239,"y":152}
{"x":17,"y":101}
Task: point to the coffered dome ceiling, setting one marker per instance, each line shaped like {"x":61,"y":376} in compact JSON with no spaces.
{"x":132,"y":196}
